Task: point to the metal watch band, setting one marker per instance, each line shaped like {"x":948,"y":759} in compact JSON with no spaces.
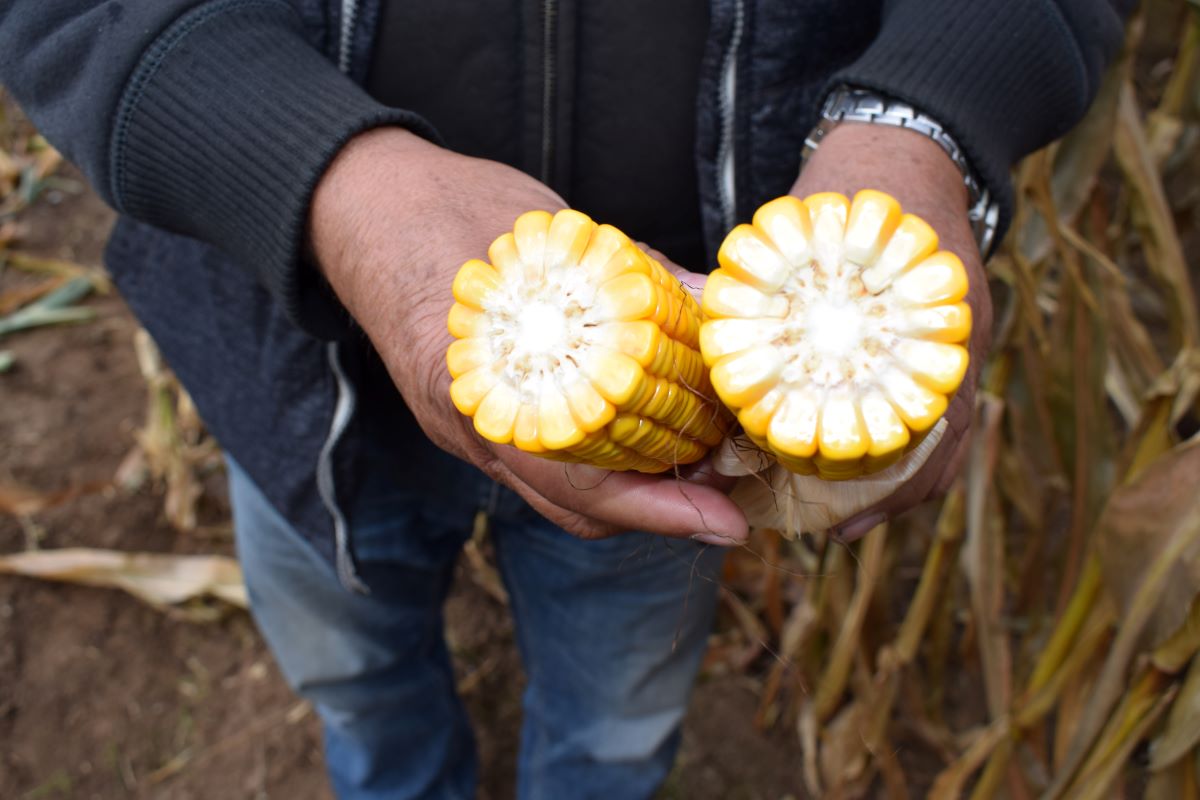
{"x":861,"y":105}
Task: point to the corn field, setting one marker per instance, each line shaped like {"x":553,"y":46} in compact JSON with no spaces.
{"x":1034,"y":635}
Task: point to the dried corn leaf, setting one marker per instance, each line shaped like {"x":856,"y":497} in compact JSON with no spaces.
{"x":1142,"y":521}
{"x":1165,"y":124}
{"x":1178,"y":782}
{"x":158,"y":579}
{"x":1148,"y":539}
{"x":1173,"y":655}
{"x":849,"y":643}
{"x":843,"y":757}
{"x":951,"y":781}
{"x":1182,"y":731}
{"x":26,"y":262}
{"x":21,"y":501}
{"x":175,"y":449}
{"x":55,"y":308}
{"x":12,"y":299}
{"x":1164,"y":251}
{"x":983,"y":557}
{"x":1129,"y":726}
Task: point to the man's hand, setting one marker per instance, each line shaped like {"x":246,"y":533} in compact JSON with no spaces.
{"x":919,"y":174}
{"x":392,"y":220}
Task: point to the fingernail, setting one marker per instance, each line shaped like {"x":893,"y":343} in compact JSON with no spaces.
{"x":716,"y":539}
{"x":860,"y":527}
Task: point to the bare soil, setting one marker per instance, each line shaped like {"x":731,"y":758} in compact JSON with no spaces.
{"x":102,"y":696}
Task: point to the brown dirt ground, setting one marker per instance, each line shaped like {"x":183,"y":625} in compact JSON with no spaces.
{"x":102,"y":696}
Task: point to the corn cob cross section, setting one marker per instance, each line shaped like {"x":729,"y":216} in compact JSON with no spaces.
{"x":575,"y":345}
{"x":836,"y":331}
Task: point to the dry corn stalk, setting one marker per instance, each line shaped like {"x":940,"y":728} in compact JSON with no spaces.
{"x":172,"y":447}
{"x":574,"y":344}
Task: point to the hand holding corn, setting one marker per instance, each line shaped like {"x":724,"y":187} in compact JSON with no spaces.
{"x":394,"y":218}
{"x":917,"y":173}
{"x":834,"y":330}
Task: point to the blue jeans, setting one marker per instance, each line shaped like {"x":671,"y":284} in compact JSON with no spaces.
{"x":611,"y":633}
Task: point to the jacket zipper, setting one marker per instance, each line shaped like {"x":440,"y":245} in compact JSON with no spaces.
{"x":343,"y":410}
{"x":349,"y":18}
{"x":727,"y":100}
{"x":549,"y":26}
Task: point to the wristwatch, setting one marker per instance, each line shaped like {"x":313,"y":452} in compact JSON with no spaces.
{"x":846,"y":103}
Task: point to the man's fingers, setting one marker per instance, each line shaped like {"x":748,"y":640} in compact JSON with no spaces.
{"x":616,"y":501}
{"x":932,"y":480}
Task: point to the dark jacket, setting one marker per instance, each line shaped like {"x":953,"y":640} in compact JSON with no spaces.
{"x":207,"y":125}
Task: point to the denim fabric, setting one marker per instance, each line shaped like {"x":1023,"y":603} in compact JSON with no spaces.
{"x":611,"y":633}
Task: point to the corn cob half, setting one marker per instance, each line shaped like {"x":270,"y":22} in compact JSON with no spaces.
{"x":836,"y":331}
{"x":574,"y":344}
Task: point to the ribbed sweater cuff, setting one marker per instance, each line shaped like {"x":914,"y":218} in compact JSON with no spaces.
{"x":1004,"y":77}
{"x":223,"y":131}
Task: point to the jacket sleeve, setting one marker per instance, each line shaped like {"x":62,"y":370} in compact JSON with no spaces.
{"x":210,"y":119}
{"x":1005,"y":77}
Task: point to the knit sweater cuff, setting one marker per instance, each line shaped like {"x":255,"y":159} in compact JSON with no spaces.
{"x":225,"y":128}
{"x":994,"y":73}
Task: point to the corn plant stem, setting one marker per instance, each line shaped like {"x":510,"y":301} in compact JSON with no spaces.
{"x":1181,"y":85}
{"x":938,"y":562}
{"x":949,"y":783}
{"x":1181,"y":735}
{"x":1165,"y":252}
{"x":837,"y":672}
{"x":1036,"y":704}
{"x":1142,"y":705}
{"x":1085,"y":302}
{"x":989,"y":782}
{"x":1083,"y":599}
{"x":1178,"y":650}
{"x":983,"y":558}
{"x":894,"y":658}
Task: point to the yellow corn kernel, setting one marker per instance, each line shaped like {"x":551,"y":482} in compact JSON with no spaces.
{"x":567,"y":239}
{"x":464,"y":355}
{"x":474,"y":283}
{"x":755,"y":418}
{"x":742,"y":378}
{"x":723,"y":337}
{"x":912,"y":241}
{"x":629,"y":296}
{"x":793,"y":429}
{"x":788,"y":226}
{"x":748,"y":256}
{"x":948,"y":323}
{"x":938,"y":280}
{"x":467,"y":391}
{"x":615,"y":375}
{"x":726,"y":296}
{"x":525,"y":431}
{"x":465,"y":322}
{"x":497,"y":413}
{"x":557,"y":426}
{"x":873,"y":218}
